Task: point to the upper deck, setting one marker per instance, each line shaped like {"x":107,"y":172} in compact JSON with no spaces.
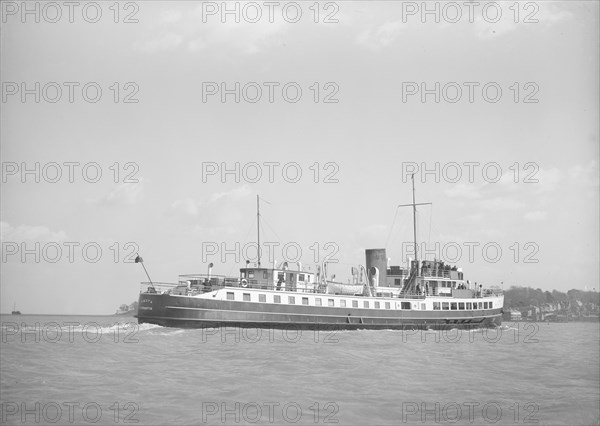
{"x":196,"y":284}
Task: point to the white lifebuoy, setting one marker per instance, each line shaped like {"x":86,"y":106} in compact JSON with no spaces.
{"x":244,"y":283}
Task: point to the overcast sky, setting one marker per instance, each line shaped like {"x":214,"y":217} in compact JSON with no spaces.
{"x":369,"y":127}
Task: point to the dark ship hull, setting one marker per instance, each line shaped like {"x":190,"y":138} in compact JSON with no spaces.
{"x":196,"y":312}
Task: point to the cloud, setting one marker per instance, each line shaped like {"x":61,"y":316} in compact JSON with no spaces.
{"x":484,"y":29}
{"x":500,"y":203}
{"x":187,"y":206}
{"x":220,"y":213}
{"x":162,"y":42}
{"x":529,"y":15}
{"x":234,"y":195}
{"x":584,"y":174}
{"x":547,"y":13}
{"x":381,"y":36}
{"x":123,"y":194}
{"x":548,"y":179}
{"x":188,"y":28}
{"x":192,"y":207}
{"x":37,"y":233}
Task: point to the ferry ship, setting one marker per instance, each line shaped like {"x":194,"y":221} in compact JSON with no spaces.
{"x":424,"y":295}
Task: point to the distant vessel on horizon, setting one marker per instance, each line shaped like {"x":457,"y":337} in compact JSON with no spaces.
{"x":14,"y":311}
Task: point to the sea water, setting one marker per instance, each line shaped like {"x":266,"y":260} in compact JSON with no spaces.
{"x":110,"y":370}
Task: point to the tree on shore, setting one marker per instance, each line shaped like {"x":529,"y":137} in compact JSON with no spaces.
{"x":527,"y":296}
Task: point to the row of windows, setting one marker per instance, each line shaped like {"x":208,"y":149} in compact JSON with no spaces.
{"x":442,"y":284}
{"x":343,"y":303}
{"x":280,"y":276}
{"x":461,"y":306}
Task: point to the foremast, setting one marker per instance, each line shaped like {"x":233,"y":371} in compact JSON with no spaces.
{"x":414,"y":271}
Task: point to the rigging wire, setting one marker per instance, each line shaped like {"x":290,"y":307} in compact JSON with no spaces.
{"x":392,"y":228}
{"x":264,"y":222}
{"x":430,"y":219}
{"x":234,"y":265}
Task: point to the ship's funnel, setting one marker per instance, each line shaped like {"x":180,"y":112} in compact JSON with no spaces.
{"x":377,"y":258}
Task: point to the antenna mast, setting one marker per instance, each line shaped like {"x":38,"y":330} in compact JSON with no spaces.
{"x":414,"y":206}
{"x":412,"y":177}
{"x":258,"y":228}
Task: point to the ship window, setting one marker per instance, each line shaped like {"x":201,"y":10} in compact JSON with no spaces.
{"x":423,"y":308}
{"x":291,"y":300}
{"x":490,"y":305}
{"x":243,"y":274}
{"x":461,"y":306}
{"x":300,"y":277}
{"x":262,"y":297}
{"x":342,"y":303}
{"x":277,"y":299}
{"x":265,"y":275}
{"x":405,"y":305}
{"x":469,"y":306}
{"x":445,"y":306}
{"x":365,"y":304}
{"x":355,"y":303}
{"x":485,"y":305}
{"x":246,"y":297}
{"x":305,"y":300}
{"x":230,"y":295}
{"x":330,"y":302}
{"x":377,"y":306}
{"x":453,"y":306}
{"x":397,"y":281}
{"x":250,"y":274}
{"x":480,"y":305}
{"x":453,"y":284}
{"x":318,"y":301}
{"x":436,"y":306}
{"x":387,"y":305}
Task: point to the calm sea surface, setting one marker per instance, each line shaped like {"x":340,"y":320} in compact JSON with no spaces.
{"x":109,"y":370}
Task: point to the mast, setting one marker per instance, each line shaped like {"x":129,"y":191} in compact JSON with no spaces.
{"x":412,"y":177}
{"x":414,"y":206}
{"x":258,"y":228}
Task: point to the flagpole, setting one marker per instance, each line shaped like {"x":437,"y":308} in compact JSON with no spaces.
{"x":138,"y":259}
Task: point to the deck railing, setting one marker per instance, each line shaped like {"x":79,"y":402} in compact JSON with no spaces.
{"x":157,"y":287}
{"x":199,"y":284}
